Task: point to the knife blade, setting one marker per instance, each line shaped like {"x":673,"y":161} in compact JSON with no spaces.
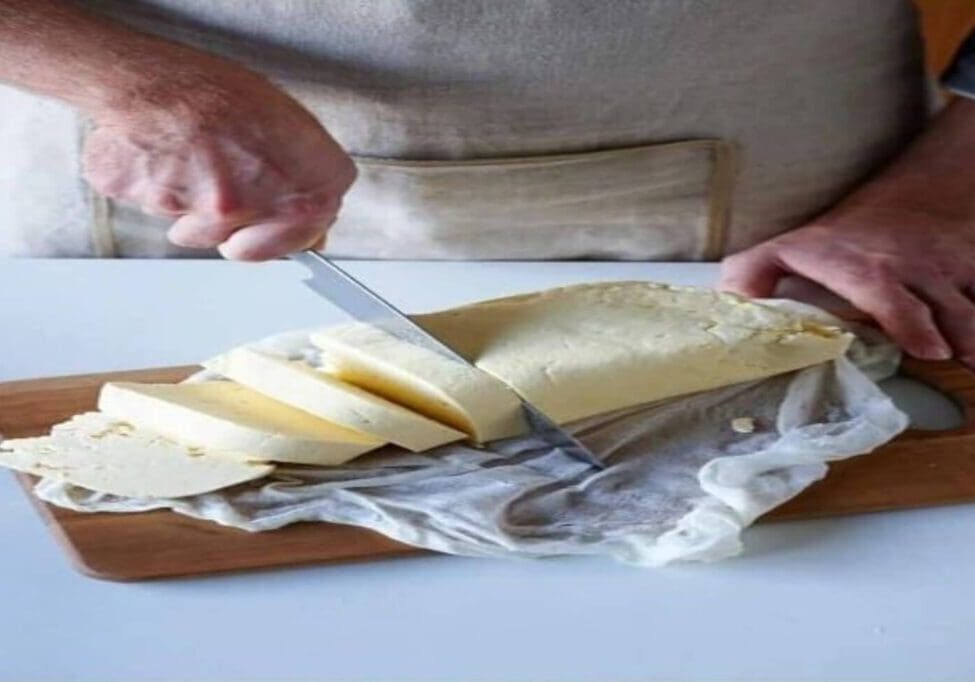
{"x":341,"y":289}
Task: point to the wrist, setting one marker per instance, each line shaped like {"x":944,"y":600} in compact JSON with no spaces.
{"x":178,"y":81}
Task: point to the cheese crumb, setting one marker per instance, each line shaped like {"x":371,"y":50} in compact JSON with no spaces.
{"x":743,"y":425}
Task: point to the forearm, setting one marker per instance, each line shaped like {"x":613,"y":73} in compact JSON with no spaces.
{"x":900,"y":249}
{"x":935,"y":174}
{"x":58,"y":49}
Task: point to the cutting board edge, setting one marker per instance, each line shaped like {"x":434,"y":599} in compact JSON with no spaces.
{"x":958,"y":383}
{"x":78,"y":560}
{"x":75,"y":556}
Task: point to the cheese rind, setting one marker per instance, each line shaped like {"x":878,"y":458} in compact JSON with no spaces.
{"x":589,"y":349}
{"x":449,"y":392}
{"x":303,"y":387}
{"x":99,"y":453}
{"x":227,"y":416}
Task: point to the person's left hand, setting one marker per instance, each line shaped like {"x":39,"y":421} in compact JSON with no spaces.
{"x":913,"y":273}
{"x":901,"y":249}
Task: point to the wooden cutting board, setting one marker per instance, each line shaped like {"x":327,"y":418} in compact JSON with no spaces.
{"x":917,"y":469}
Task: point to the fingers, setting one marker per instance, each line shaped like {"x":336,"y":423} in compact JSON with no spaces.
{"x":300,"y":221}
{"x":254,"y":197}
{"x":202,"y":232}
{"x":754,"y":272}
{"x":907,"y":319}
{"x":954,"y":313}
{"x":265,"y":241}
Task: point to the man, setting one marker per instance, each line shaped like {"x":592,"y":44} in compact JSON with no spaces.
{"x":506,"y":129}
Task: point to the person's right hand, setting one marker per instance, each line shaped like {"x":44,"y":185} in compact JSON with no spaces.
{"x":237,"y":163}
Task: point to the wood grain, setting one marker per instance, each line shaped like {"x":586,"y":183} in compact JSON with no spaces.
{"x":919,"y":468}
{"x":31,"y":407}
{"x":161,"y":543}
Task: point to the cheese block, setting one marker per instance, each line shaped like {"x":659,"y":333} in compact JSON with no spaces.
{"x":99,"y":453}
{"x":585,"y":350}
{"x":431,"y":384}
{"x":301,"y":386}
{"x":227,"y":416}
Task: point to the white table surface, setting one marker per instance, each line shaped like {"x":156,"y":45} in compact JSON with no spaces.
{"x":888,"y":596}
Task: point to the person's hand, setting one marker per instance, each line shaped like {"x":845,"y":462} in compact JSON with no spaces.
{"x":901,"y":249}
{"x":912,"y":272}
{"x":237,"y":163}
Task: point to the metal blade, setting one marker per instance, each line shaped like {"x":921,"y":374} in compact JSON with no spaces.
{"x":362,"y":303}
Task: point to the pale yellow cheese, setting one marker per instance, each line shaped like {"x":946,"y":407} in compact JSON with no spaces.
{"x":450,"y":392}
{"x":583,"y":350}
{"x":99,"y":453}
{"x":224,"y":415}
{"x":301,"y":386}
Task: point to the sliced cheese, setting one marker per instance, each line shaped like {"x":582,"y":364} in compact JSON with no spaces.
{"x":99,"y":453}
{"x":301,"y":386}
{"x":584,"y":350}
{"x":227,"y":416}
{"x":433,"y":385}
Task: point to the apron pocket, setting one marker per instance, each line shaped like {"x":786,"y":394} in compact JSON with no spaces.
{"x":656,"y":202}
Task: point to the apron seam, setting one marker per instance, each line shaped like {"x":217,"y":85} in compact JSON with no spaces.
{"x":719,"y":204}
{"x":530,"y":159}
{"x":101,"y":226}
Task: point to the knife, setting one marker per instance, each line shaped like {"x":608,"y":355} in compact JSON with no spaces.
{"x":344,"y":291}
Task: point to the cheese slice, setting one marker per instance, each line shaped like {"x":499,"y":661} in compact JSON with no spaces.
{"x":99,"y":453}
{"x":227,"y":416}
{"x":301,"y":386}
{"x":450,"y":392}
{"x":584,"y":350}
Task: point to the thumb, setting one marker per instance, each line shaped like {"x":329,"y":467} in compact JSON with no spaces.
{"x":754,"y":273}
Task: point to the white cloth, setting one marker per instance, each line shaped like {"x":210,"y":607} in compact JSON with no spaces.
{"x":681,"y":483}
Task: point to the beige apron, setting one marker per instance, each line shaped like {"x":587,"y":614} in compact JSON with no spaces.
{"x":520,"y":129}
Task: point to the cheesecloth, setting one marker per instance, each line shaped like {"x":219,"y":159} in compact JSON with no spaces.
{"x":681,"y":482}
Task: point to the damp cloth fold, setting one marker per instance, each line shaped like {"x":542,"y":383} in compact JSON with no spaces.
{"x":684,"y":476}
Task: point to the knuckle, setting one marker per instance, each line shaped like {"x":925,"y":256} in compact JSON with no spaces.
{"x":309,"y":206}
{"x":225,"y":205}
{"x":895,"y":309}
{"x":105,"y":185}
{"x":915,"y":321}
{"x":904,"y":303}
{"x":926,"y":272}
{"x":348,"y":174}
{"x":105,"y":179}
{"x":744,"y":259}
{"x":103,"y":166}
{"x":164,"y":204}
{"x":732,"y":262}
{"x":883,"y":268}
